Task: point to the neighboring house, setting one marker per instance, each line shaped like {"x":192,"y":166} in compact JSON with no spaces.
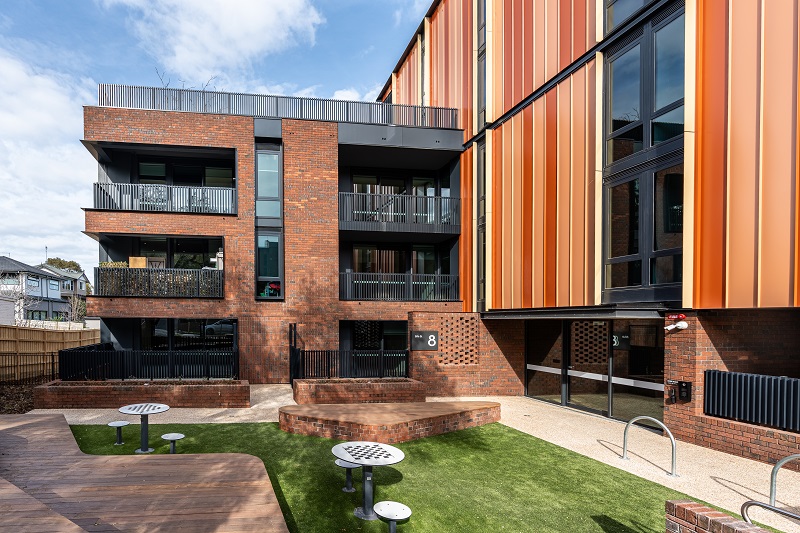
{"x":543,"y":193}
{"x":75,"y":283}
{"x":36,"y":292}
{"x":6,"y":311}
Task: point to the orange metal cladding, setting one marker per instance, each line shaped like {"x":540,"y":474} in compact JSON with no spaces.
{"x":746,"y":204}
{"x":709,"y":194}
{"x":451,"y":59}
{"x":466,"y":266}
{"x":408,"y":80}
{"x":543,"y":239}
{"x":534,"y":39}
{"x":496,"y":253}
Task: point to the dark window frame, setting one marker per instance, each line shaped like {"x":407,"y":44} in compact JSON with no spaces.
{"x":281,"y":272}
{"x":480,"y":240}
{"x":262,"y":221}
{"x":648,"y":113}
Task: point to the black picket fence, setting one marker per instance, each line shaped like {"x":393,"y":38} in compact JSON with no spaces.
{"x":99,"y":362}
{"x":309,"y":364}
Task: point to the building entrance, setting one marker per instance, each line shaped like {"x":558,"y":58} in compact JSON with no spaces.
{"x":610,"y":367}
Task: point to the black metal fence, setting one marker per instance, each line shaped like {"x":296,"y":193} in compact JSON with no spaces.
{"x":770,"y":401}
{"x":398,"y":287}
{"x":164,"y":198}
{"x":99,"y":362}
{"x":399,"y":212}
{"x":159,"y":282}
{"x":270,"y":106}
{"x":28,"y":369}
{"x":351,"y":363}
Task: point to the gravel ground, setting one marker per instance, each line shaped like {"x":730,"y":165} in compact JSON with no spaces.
{"x":16,"y":399}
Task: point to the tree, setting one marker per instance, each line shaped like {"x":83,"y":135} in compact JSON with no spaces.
{"x":64,"y":264}
{"x":76,"y":311}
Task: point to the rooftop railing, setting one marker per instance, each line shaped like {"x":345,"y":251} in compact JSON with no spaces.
{"x":271,"y":106}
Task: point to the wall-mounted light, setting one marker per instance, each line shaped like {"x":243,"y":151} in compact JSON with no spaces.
{"x":677,"y":325}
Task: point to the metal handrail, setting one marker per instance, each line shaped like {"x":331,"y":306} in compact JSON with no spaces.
{"x":752,"y":503}
{"x":773,"y":480}
{"x":273,"y":106}
{"x":674,"y":472}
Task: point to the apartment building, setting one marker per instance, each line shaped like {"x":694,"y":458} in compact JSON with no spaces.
{"x":591,"y":203}
{"x":629,"y":200}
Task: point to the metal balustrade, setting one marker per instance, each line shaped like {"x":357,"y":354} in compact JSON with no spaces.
{"x":100,"y":362}
{"x":398,"y":287}
{"x":772,"y":401}
{"x":351,"y":363}
{"x":399,"y":212}
{"x":159,"y":282}
{"x":164,"y":198}
{"x":271,"y":106}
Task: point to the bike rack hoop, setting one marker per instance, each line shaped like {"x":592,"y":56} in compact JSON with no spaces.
{"x":674,"y":472}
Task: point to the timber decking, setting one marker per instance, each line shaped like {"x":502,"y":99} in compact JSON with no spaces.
{"x":58,"y":486}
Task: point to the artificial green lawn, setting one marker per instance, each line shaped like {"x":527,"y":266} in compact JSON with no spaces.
{"x":486,"y":479}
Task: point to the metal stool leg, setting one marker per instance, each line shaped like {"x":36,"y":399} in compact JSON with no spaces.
{"x":119,"y":436}
{"x":172,"y":446}
{"x":392,"y":526}
{"x":348,"y":481}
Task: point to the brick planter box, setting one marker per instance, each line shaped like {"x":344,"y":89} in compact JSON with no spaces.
{"x":358,"y":390}
{"x":114,"y":394}
{"x":685,"y":516}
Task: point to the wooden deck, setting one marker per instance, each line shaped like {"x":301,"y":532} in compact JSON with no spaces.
{"x":48,"y":484}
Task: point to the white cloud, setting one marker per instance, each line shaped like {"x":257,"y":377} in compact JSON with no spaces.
{"x":351,"y":93}
{"x":195,"y":40}
{"x":411,"y":10}
{"x":45,"y":174}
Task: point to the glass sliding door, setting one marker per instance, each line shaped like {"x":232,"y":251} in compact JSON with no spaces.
{"x":543,"y":358}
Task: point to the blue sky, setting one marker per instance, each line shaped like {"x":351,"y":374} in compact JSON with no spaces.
{"x":54,"y":53}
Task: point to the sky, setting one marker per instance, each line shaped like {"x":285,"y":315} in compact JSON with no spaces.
{"x":54,"y":53}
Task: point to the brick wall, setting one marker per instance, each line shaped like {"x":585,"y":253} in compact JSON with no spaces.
{"x":685,"y":516}
{"x":314,"y":391}
{"x":113,"y":394}
{"x":311,"y":237}
{"x":755,"y":341}
{"x":475,"y":357}
{"x":389,"y":433}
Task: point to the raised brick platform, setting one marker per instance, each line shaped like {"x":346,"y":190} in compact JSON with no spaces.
{"x":358,"y":390}
{"x":113,"y":394}
{"x":386,"y":422}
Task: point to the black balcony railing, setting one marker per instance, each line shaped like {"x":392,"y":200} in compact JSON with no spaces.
{"x":270,"y":106}
{"x":398,"y":287}
{"x":399,"y":212}
{"x":772,"y":401}
{"x":159,"y":282}
{"x":164,"y":198}
{"x":99,"y":362}
{"x":351,"y":363}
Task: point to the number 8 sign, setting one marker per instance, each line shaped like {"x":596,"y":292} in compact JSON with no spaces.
{"x":425,"y":340}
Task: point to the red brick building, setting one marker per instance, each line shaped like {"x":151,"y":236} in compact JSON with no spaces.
{"x":589,"y":203}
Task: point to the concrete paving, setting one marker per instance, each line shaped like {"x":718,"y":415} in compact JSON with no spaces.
{"x":715,"y":477}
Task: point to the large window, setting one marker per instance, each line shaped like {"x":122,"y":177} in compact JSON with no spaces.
{"x":185,"y":171}
{"x":269,"y":185}
{"x":269,"y":282}
{"x":481,"y":185}
{"x":643,"y":172}
{"x":645,"y":91}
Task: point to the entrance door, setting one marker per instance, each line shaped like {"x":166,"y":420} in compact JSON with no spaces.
{"x":544,"y":359}
{"x":588,"y":367}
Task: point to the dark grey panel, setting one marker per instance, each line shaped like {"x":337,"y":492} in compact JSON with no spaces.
{"x":267,"y":127}
{"x":387,"y":157}
{"x":371,"y":135}
{"x":432,"y":139}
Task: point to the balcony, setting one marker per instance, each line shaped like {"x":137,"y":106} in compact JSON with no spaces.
{"x":269,"y":106}
{"x":159,"y":282}
{"x":164,"y":198}
{"x":399,"y":213}
{"x":398,"y":287}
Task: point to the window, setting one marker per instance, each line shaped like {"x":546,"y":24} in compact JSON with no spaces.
{"x":643,"y":173}
{"x":67,"y":285}
{"x":81,"y":285}
{"x":186,"y":171}
{"x":481,"y":185}
{"x":269,"y":268}
{"x":36,"y":315}
{"x":33,"y":282}
{"x":645,"y":91}
{"x":9,"y":280}
{"x":644,"y":229}
{"x":618,"y":11}
{"x":53,"y":284}
{"x":269,"y":185}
